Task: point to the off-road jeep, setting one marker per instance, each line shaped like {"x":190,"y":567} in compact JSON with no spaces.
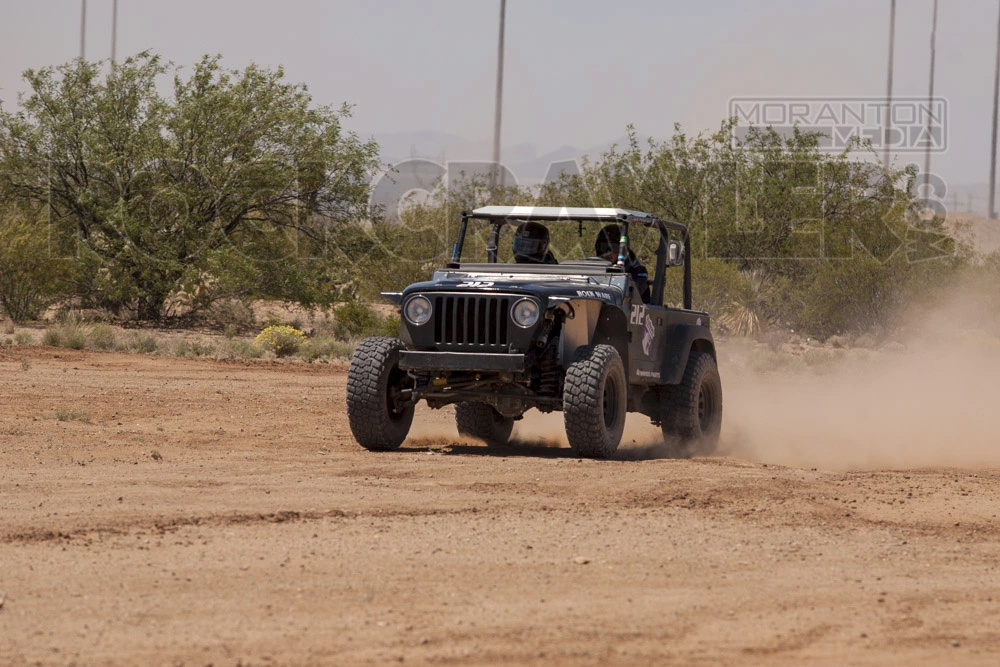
{"x":496,"y":339}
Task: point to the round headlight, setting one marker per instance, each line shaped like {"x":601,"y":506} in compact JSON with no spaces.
{"x":418,"y":310}
{"x":524,"y":312}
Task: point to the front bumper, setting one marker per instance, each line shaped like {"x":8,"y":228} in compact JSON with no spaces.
{"x":411,"y":360}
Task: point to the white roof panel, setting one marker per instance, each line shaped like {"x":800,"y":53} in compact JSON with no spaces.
{"x":557,"y":213}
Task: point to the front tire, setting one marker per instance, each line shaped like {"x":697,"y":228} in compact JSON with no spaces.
{"x":691,"y":412}
{"x":481,"y":421}
{"x":379,"y":418}
{"x":594,"y":401}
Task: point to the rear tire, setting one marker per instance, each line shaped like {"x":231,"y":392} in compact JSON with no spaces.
{"x":691,"y":412}
{"x":481,"y":421}
{"x":594,"y":401}
{"x":379,"y":419}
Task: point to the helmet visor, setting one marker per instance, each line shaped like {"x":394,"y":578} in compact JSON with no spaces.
{"x":603,"y":246}
{"x":526,"y":247}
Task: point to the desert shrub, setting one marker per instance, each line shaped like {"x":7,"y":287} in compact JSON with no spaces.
{"x":101,"y":337}
{"x":9,"y":328}
{"x":72,"y":414}
{"x":864,"y":341}
{"x":324,"y":347}
{"x":281,"y":339}
{"x":751,"y":305}
{"x":388,"y":326}
{"x":138,"y":341}
{"x":30,"y":277}
{"x":234,"y":316}
{"x":838,"y":342}
{"x":239,"y":348}
{"x":193,"y":348}
{"x":24,"y":338}
{"x":355,"y":319}
{"x":69,"y":333}
{"x":201,"y":348}
{"x":51,"y":338}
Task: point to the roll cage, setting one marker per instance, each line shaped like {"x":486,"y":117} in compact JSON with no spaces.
{"x":515,"y":215}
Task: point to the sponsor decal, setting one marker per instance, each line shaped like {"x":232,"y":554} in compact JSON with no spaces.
{"x":647,"y":374}
{"x":477,"y":283}
{"x":648,"y":332}
{"x":594,"y":294}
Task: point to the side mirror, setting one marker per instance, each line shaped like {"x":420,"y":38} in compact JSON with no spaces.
{"x":675,"y":253}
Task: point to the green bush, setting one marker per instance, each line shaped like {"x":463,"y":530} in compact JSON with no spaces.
{"x":141,"y":342}
{"x":29,"y":276}
{"x":357,"y":320}
{"x":239,"y":348}
{"x":72,"y":414}
{"x":69,"y":334}
{"x":193,"y":348}
{"x":102,"y":337}
{"x":324,"y":347}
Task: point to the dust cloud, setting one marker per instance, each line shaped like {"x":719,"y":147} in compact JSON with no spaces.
{"x":928,"y":399}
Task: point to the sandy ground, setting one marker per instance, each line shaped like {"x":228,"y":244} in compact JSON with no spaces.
{"x":156,"y":510}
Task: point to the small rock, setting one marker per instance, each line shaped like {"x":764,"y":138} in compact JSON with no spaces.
{"x":581,"y":560}
{"x":956,"y":644}
{"x":2,"y":598}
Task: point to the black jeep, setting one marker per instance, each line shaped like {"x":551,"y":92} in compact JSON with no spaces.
{"x":496,"y":339}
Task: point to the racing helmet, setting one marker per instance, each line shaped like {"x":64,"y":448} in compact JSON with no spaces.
{"x":607,"y":240}
{"x":531,"y":243}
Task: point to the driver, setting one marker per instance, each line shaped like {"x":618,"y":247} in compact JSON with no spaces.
{"x":606,"y":247}
{"x":531,"y":244}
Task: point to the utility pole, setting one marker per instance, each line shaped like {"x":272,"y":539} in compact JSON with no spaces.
{"x":888,"y":94}
{"x":993,"y":144}
{"x":930,"y":105}
{"x":83,"y":30}
{"x":499,"y":103}
{"x":114,"y":30}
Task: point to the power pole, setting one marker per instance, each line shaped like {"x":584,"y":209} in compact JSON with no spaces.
{"x":499,"y":103}
{"x":83,"y":30}
{"x":114,"y":30}
{"x":930,"y":105}
{"x":888,"y":94}
{"x":993,"y":145}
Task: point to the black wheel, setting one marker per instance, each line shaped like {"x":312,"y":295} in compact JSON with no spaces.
{"x":594,"y":396}
{"x":478,"y":420}
{"x":379,"y":418}
{"x":691,"y":412}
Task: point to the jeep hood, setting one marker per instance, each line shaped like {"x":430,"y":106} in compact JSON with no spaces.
{"x":605,"y":287}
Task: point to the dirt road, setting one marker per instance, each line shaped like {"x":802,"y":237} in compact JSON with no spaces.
{"x":156,"y":510}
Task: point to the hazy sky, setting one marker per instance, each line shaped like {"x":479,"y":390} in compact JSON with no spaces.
{"x":577,"y":71}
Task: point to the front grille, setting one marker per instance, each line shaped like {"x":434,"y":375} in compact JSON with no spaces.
{"x":471,"y":322}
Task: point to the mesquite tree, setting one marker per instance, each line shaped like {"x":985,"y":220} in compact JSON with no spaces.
{"x":234,"y":184}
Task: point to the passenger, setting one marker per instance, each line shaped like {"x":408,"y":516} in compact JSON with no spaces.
{"x":531,"y":244}
{"x":606,"y":247}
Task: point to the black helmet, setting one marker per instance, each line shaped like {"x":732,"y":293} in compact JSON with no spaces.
{"x":531,"y":243}
{"x":607,"y":239}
